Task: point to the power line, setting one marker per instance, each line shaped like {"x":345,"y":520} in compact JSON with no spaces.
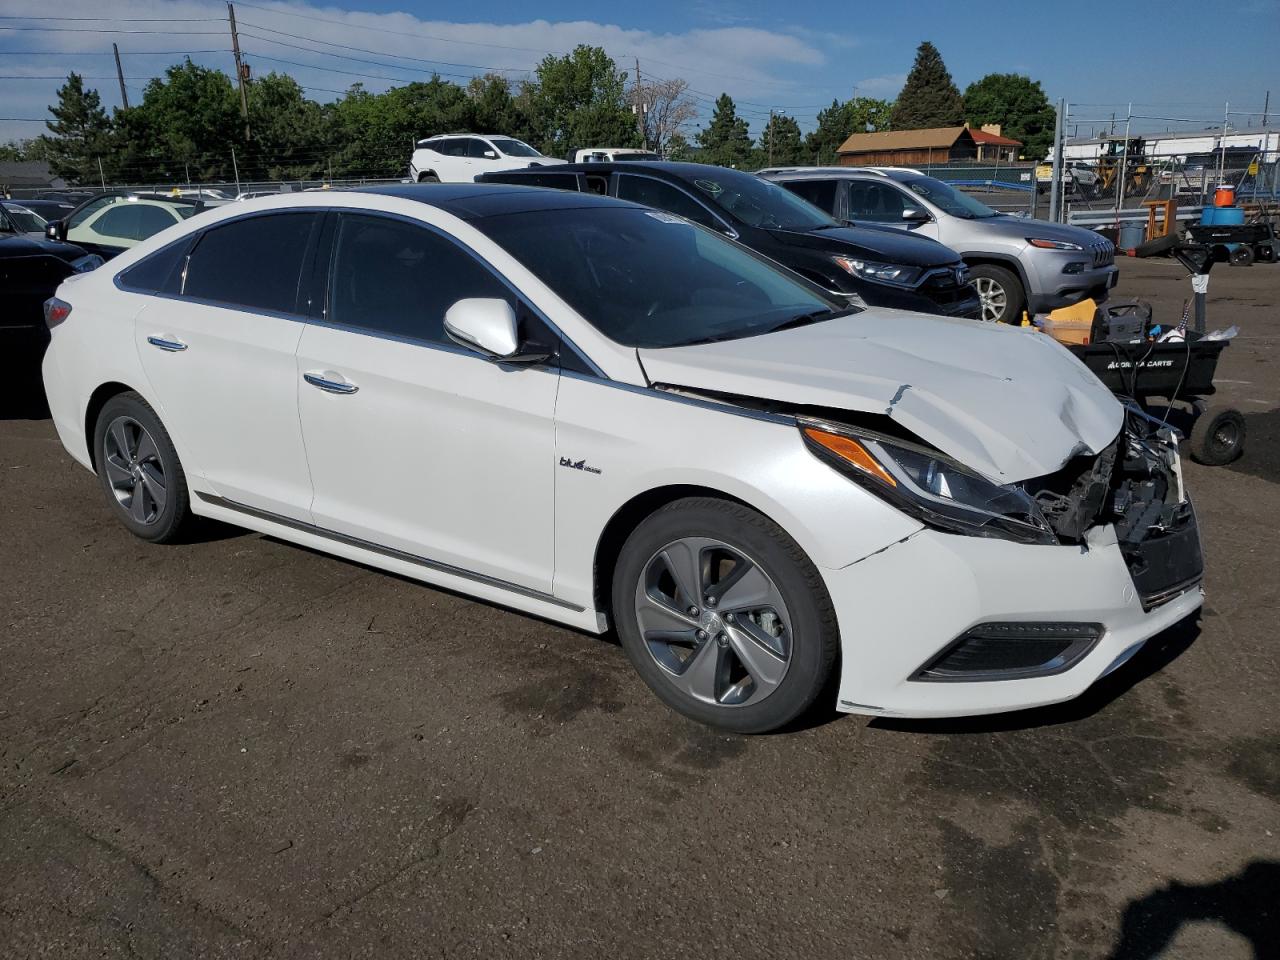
{"x":124,"y":19}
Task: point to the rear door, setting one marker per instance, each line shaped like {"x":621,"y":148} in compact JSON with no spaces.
{"x":415,"y":443}
{"x":220,"y":357}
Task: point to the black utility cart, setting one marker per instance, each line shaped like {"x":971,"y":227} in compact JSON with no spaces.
{"x":1175,"y":380}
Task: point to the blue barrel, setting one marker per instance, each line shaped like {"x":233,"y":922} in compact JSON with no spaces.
{"x":1132,"y":234}
{"x":1222,"y":216}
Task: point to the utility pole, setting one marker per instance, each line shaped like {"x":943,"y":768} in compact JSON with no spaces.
{"x":1266,"y":104}
{"x":240,"y":71}
{"x":770,"y":131}
{"x":1055,"y":185}
{"x":124,"y":94}
{"x":236,"y":168}
{"x":641,"y":109}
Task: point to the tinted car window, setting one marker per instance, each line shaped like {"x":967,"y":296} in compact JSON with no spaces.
{"x":821,"y":193}
{"x":254,"y":262}
{"x":151,"y":220}
{"x":876,"y":202}
{"x":663,"y":196}
{"x":397,"y":278}
{"x":120,"y":222}
{"x":158,"y":273}
{"x":451,"y":148}
{"x":478,"y":148}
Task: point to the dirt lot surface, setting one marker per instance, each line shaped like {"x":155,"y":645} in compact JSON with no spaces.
{"x":238,"y":748}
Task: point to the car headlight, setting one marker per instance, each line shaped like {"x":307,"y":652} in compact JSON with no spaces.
{"x":896,"y":273}
{"x":90,"y":261}
{"x":929,"y":486}
{"x":1053,"y":244}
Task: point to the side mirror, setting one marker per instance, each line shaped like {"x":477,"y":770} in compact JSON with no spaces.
{"x":491,"y":155}
{"x":915,"y":215}
{"x":56,"y":229}
{"x":490,"y":327}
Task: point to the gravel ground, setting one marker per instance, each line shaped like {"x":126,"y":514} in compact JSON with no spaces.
{"x":241,"y":748}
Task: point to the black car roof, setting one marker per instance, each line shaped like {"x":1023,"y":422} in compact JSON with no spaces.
{"x":474,"y":200}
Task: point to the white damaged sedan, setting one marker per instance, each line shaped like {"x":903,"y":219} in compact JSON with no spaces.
{"x":607,"y":416}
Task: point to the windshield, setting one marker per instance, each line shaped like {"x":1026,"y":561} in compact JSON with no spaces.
{"x":949,"y":199}
{"x":759,"y":203}
{"x":24,"y":220}
{"x":645,"y":278}
{"x":514,"y":148}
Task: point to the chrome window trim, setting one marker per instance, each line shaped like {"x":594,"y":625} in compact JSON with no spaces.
{"x":389,"y":552}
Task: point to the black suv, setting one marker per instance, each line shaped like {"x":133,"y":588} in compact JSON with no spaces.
{"x":884,"y":269}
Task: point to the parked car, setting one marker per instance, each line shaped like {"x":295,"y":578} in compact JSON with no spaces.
{"x":16,"y":217}
{"x":46,"y":209}
{"x":1076,"y":177}
{"x":601,"y":414}
{"x":111,"y":223}
{"x":1016,"y":263}
{"x":877,"y":266}
{"x":460,"y":157}
{"x":610,"y":154}
{"x":30,"y":270}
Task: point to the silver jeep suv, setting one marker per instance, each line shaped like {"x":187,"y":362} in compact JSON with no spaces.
{"x":1016,"y":263}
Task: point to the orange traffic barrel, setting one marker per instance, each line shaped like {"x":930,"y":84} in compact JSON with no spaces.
{"x":1224,"y":196}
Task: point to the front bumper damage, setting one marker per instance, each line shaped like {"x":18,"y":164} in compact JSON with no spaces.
{"x":991,"y":626}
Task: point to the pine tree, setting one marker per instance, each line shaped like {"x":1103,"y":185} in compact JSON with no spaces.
{"x":930,"y":97}
{"x":725,"y":141}
{"x":79,"y":134}
{"x":780,"y":144}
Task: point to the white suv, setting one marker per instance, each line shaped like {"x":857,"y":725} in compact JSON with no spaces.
{"x":457,"y":158}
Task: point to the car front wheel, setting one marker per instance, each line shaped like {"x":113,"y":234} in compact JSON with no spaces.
{"x":723,"y":615}
{"x":139,"y":470}
{"x":1000,"y":291}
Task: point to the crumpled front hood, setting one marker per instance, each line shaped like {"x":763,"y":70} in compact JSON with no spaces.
{"x":1006,"y":401}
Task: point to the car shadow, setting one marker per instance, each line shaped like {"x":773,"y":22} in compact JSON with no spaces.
{"x":21,"y":385}
{"x":1158,"y":652}
{"x":1261,"y":456}
{"x":1246,"y":904}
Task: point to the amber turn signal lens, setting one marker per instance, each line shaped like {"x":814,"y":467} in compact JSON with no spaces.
{"x":851,"y":452}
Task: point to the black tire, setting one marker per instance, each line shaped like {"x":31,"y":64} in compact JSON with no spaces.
{"x":165,"y":524}
{"x":428,"y":178}
{"x":1015,"y":297}
{"x":813,"y":639}
{"x":1241,"y":256}
{"x":1217,"y":439}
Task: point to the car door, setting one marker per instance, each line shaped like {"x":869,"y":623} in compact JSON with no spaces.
{"x":220,"y":358}
{"x":483,"y":157}
{"x":882,"y":204}
{"x":417,"y":444}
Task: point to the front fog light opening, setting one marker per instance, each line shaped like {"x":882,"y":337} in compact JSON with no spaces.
{"x":1012,"y":651}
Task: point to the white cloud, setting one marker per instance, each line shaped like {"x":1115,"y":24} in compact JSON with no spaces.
{"x":885,"y":87}
{"x":746,"y":61}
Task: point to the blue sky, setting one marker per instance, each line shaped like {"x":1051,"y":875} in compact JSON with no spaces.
{"x":1175,"y":60}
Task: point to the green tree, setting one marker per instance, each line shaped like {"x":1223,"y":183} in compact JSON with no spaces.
{"x":838,"y":121}
{"x":493,"y":108}
{"x":288,"y":131}
{"x":184,"y":128}
{"x":678,"y":148}
{"x":80,"y":133}
{"x":725,"y":141}
{"x":930,"y":97}
{"x":580,"y":100}
{"x":1018,"y":104}
{"x":780,"y":143}
{"x":373,"y":133}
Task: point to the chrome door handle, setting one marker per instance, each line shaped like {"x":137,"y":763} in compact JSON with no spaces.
{"x":329,"y":386}
{"x":173,"y":346}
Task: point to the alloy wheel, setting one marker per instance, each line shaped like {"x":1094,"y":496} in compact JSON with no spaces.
{"x":714,"y":621}
{"x":994,"y":299}
{"x":134,"y":470}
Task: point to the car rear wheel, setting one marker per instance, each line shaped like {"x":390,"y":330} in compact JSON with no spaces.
{"x":1000,"y":291}
{"x":139,"y":470}
{"x":723,"y":615}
